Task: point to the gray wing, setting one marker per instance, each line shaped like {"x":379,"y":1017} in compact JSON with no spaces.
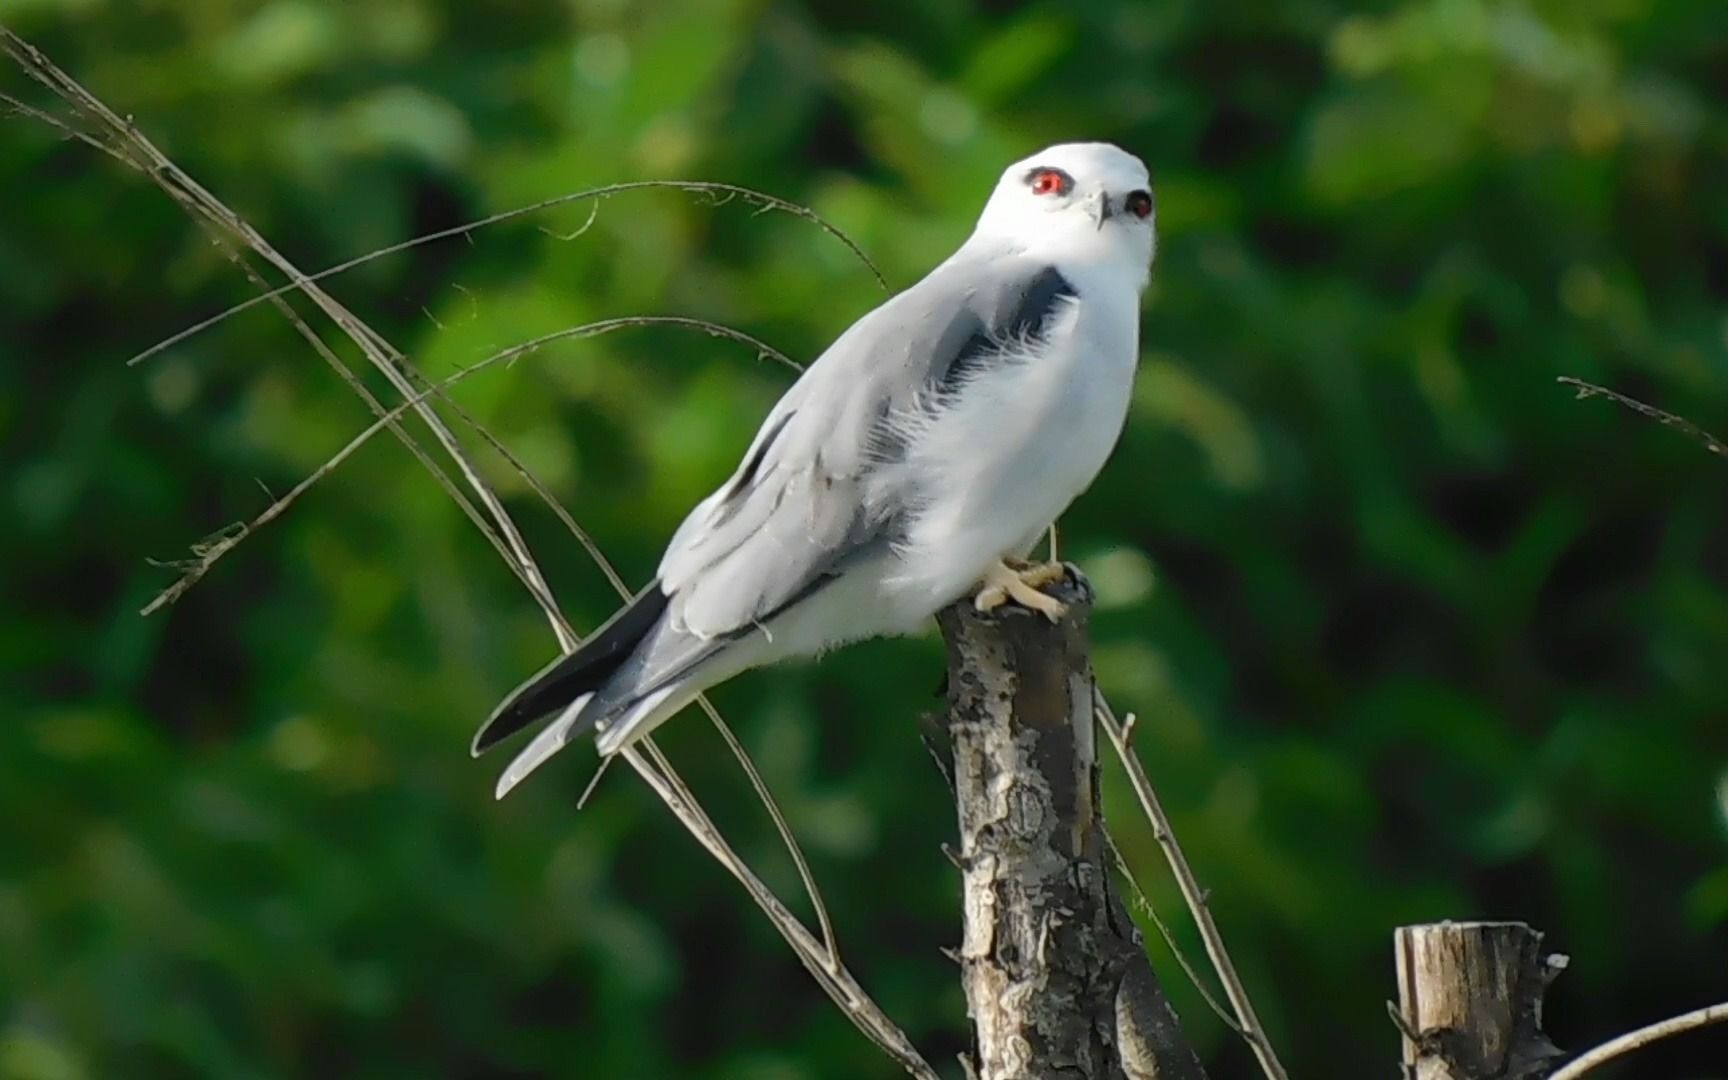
{"x":799,"y":507}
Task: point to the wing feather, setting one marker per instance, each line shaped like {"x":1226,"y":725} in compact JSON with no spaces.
{"x":803,"y":500}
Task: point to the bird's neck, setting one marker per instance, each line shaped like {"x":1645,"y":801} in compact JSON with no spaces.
{"x":1083,"y":256}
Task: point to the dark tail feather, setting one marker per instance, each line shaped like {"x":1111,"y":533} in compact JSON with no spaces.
{"x":571,"y":676}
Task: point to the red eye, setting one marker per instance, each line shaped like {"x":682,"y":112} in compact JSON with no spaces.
{"x":1139,"y":203}
{"x":1049,"y":182}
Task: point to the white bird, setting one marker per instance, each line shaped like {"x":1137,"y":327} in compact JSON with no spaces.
{"x":936,"y":438}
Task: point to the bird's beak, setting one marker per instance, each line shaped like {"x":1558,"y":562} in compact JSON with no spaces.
{"x":1101,"y":211}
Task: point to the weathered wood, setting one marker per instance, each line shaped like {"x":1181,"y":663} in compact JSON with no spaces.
{"x":1056,"y":976}
{"x":1470,"y":1001}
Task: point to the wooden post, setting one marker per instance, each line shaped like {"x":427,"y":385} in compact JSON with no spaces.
{"x":1470,"y":1001}
{"x":1056,"y":977}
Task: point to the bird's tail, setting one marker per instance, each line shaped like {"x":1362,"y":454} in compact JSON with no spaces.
{"x":618,"y":728}
{"x":567,"y":685}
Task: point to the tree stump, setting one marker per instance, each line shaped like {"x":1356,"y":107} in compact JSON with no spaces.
{"x":1470,"y":1001}
{"x":1056,"y":976}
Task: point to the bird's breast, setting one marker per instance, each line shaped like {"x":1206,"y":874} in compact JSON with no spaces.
{"x":1007,"y":452}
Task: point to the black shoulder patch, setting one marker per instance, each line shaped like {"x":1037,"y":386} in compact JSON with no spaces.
{"x":1023,"y":316}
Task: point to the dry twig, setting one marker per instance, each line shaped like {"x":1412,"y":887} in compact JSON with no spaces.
{"x":760,"y":786}
{"x":1246,"y":1021}
{"x":130,"y":146}
{"x":119,"y":138}
{"x":1144,"y":903}
{"x":1644,"y":1036}
{"x":1661,"y":416}
{"x":718,"y":194}
{"x":211,"y":551}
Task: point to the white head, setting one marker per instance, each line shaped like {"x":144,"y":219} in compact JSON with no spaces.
{"x":1078,"y":199}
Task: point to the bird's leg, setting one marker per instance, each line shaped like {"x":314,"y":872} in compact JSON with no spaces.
{"x":1019,"y":580}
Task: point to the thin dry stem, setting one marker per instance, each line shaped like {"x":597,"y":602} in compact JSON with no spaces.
{"x":1661,"y":416}
{"x":67,"y":131}
{"x":835,"y":980}
{"x":719,"y":194}
{"x":133,"y":148}
{"x":745,"y":762}
{"x":203,"y":206}
{"x":209,"y":552}
{"x":207,"y":558}
{"x":781,"y":826}
{"x":226,"y":538}
{"x":1247,"y":1022}
{"x":216,"y":548}
{"x":1644,"y":1036}
{"x":1144,"y":903}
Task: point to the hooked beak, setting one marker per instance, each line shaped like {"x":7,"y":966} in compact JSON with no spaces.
{"x":1101,"y":211}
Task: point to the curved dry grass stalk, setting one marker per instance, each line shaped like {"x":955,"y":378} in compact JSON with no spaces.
{"x":223,"y":538}
{"x":209,"y":552}
{"x":1644,"y":1036}
{"x":833,"y":977}
{"x":757,"y":783}
{"x":1144,"y":903}
{"x":67,"y":131}
{"x":719,"y":194}
{"x":132,"y":148}
{"x":821,"y":960}
{"x":1661,"y":416}
{"x":1247,"y":1022}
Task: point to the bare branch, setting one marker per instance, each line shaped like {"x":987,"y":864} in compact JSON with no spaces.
{"x":781,"y":826}
{"x":718,"y":193}
{"x":224,"y":539}
{"x":1145,"y":904}
{"x":213,"y":549}
{"x":203,"y":206}
{"x":1667,"y":419}
{"x":760,"y":786}
{"x":1247,"y":1022}
{"x":67,"y":131}
{"x":1644,"y":1036}
{"x":229,"y":536}
{"x":208,"y":558}
{"x":834,"y":979}
{"x":822,"y":962}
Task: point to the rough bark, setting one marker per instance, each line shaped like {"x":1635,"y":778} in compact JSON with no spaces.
{"x":1470,"y":1001}
{"x":1056,"y":977}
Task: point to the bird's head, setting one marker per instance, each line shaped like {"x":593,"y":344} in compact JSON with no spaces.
{"x":1082,"y":199}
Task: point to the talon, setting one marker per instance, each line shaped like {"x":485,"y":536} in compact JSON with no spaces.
{"x":1004,"y":582}
{"x":989,"y":598}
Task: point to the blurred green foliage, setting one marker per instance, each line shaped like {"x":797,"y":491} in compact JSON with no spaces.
{"x":1412,"y":633}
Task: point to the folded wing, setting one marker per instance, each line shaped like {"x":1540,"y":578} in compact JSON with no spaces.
{"x":802,"y":504}
{"x":806,"y":502}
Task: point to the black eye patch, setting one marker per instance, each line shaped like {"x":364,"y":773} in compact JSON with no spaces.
{"x":1048,"y":180}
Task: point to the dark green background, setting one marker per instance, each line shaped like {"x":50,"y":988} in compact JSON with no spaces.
{"x":1412,"y":633}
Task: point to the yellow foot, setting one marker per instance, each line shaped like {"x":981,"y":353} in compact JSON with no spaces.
{"x":1020,"y":582}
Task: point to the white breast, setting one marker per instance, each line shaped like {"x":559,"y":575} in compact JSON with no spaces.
{"x":1012,"y":448}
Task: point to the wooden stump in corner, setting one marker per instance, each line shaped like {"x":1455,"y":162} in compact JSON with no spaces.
{"x":1470,"y":1001}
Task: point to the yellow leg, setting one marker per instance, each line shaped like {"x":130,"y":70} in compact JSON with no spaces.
{"x":1019,"y":583}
